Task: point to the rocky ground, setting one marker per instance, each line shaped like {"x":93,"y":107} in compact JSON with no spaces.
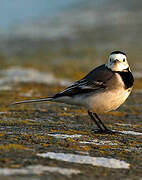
{"x":56,"y":141}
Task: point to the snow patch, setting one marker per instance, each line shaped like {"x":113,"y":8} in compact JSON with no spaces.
{"x":81,"y":159}
{"x":38,"y":169}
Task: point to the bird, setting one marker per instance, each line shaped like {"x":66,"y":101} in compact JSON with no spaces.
{"x":102,"y":90}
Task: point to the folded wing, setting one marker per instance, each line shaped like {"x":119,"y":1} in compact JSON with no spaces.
{"x":96,"y":79}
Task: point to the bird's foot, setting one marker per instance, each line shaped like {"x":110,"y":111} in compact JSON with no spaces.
{"x":103,"y":131}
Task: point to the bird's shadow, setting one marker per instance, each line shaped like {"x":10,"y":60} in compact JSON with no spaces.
{"x":98,"y":131}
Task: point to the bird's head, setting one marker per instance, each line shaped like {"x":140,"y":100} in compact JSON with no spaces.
{"x":117,"y":61}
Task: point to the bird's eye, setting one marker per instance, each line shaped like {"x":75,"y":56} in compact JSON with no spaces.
{"x":110,"y":59}
{"x":124,"y":60}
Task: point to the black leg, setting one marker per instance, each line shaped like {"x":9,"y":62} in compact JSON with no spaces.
{"x":94,"y":120}
{"x":101,"y":122}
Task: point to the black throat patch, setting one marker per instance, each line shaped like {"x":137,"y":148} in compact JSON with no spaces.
{"x":127,"y":78}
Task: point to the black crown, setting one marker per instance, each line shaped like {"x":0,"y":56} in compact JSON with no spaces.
{"x":118,"y":52}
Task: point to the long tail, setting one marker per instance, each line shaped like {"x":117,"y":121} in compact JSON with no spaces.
{"x":33,"y":100}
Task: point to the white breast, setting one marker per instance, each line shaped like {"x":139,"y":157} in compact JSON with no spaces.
{"x":110,"y":99}
{"x":107,"y":101}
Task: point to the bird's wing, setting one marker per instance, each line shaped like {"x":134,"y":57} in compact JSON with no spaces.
{"x":96,"y":79}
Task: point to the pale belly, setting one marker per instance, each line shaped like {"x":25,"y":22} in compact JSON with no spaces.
{"x":107,"y":101}
{"x":99,"y":102}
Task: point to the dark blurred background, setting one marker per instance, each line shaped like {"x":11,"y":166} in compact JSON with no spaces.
{"x":67,"y":36}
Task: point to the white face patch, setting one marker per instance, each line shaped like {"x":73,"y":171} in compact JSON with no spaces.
{"x":117,"y":62}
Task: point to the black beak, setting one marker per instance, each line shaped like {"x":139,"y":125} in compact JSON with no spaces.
{"x":116,"y":60}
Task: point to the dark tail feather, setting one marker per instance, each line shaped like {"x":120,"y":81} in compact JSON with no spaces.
{"x":32,"y":100}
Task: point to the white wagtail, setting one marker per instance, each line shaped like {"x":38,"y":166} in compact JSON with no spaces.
{"x":104,"y":89}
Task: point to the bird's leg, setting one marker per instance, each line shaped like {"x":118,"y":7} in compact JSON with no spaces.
{"x":94,"y":120}
{"x":105,"y":128}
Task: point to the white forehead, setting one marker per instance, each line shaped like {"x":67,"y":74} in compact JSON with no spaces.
{"x":117,"y":56}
